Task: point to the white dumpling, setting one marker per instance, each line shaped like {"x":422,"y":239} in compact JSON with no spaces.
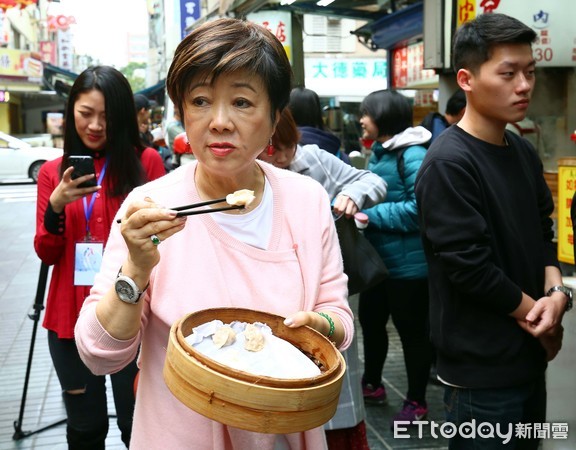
{"x":253,"y":338}
{"x":224,"y":336}
{"x":243,"y":197}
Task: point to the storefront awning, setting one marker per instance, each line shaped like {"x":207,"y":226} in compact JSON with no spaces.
{"x":57,"y":79}
{"x":156,"y":92}
{"x":58,"y":70}
{"x":393,"y":29}
{"x":153,"y":90}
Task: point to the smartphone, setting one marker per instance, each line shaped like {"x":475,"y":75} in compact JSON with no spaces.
{"x":83,"y":165}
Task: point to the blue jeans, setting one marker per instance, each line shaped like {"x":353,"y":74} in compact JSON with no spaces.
{"x":506,"y":407}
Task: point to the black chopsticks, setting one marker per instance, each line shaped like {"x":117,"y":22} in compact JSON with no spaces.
{"x":190,"y":210}
{"x":198,"y":205}
{"x":208,"y":210}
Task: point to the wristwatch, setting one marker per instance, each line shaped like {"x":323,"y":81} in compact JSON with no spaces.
{"x":566,"y":291}
{"x":127,"y":289}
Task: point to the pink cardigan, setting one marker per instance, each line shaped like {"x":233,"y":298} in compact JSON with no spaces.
{"x":203,"y":267}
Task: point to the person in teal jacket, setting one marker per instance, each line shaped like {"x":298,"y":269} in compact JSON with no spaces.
{"x":397,"y":153}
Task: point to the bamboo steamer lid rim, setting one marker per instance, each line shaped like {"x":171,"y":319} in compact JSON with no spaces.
{"x":317,"y":345}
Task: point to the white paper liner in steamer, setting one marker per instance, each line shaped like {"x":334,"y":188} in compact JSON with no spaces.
{"x":278,"y":358}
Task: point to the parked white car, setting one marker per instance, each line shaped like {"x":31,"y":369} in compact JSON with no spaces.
{"x":20,"y":160}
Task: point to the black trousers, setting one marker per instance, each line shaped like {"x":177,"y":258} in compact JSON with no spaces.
{"x":87,"y":413}
{"x":407,"y":302}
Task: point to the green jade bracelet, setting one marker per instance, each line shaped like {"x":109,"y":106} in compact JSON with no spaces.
{"x":330,"y":322}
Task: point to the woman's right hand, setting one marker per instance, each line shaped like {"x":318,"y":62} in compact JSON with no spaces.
{"x":142,"y":220}
{"x":68,"y":191}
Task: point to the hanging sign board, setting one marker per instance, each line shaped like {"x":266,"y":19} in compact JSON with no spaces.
{"x":279,"y":23}
{"x":566,"y":190}
{"x":552,"y":20}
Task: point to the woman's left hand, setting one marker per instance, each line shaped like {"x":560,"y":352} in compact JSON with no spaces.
{"x":552,"y":342}
{"x":319,"y":323}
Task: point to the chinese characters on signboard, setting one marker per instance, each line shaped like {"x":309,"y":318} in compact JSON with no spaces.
{"x":552,"y":20}
{"x":408,"y":69}
{"x":21,"y":64}
{"x":48,"y":52}
{"x":65,"y":53}
{"x":345,"y":76}
{"x":189,"y":13}
{"x":346,"y":69}
{"x":425,"y":98}
{"x":468,"y":9}
{"x":279,"y":24}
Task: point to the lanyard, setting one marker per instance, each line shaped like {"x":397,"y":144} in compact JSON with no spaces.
{"x":89,"y":208}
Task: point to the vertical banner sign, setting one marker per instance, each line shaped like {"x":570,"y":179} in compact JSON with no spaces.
{"x":408,"y":70}
{"x":48,"y":52}
{"x":400,"y":69}
{"x":65,"y":51}
{"x":465,"y":11}
{"x":566,"y":190}
{"x":4,"y":28}
{"x":189,"y":13}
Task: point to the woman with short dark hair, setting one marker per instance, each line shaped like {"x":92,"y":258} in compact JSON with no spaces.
{"x":230,"y":80}
{"x":393,"y":229}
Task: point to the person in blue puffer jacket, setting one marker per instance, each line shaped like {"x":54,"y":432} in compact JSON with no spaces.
{"x":397,"y":153}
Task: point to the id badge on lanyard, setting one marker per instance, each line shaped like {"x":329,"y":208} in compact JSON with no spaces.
{"x":87,"y":262}
{"x":88,"y":253}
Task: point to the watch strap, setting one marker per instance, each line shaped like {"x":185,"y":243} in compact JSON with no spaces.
{"x":566,"y":291}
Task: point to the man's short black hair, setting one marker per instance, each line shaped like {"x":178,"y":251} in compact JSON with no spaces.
{"x":474,"y":40}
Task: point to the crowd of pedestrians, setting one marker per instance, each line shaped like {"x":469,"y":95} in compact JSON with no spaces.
{"x":457,"y":209}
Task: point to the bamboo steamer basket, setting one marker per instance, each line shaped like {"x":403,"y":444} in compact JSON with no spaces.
{"x":247,"y":401}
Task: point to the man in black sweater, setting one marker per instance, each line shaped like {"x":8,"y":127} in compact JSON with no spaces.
{"x":496,"y":293}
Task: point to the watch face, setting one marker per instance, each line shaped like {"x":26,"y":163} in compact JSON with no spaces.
{"x":125,"y":291}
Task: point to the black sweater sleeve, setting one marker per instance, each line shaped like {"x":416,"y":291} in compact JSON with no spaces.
{"x":53,"y":221}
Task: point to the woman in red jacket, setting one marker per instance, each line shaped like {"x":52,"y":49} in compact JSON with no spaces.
{"x":72,"y":226}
